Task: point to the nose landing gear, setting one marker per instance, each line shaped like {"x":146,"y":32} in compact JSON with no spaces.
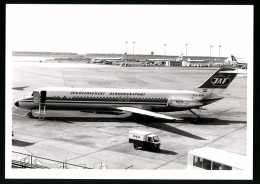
{"x":30,"y":115}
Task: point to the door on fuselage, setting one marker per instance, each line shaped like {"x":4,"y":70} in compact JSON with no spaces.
{"x":39,"y":97}
{"x":36,"y":97}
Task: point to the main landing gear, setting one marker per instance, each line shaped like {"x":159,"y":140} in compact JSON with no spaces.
{"x":197,"y":115}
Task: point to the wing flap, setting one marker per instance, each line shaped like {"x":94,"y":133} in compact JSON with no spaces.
{"x":147,"y":113}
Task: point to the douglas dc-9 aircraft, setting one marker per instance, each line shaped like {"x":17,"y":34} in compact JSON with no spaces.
{"x":140,"y":101}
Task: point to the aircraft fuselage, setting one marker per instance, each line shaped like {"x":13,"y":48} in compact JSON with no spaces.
{"x":109,"y":99}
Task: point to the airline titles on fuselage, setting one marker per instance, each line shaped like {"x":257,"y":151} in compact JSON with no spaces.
{"x":111,"y":93}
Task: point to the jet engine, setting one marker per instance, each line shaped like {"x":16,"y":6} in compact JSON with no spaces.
{"x":183,"y":104}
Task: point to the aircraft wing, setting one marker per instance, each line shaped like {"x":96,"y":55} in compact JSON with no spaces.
{"x":146,"y":112}
{"x":20,"y":88}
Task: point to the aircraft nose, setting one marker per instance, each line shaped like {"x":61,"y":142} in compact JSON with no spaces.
{"x":16,"y":103}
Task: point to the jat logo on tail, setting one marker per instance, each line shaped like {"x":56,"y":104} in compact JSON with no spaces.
{"x":220,"y":81}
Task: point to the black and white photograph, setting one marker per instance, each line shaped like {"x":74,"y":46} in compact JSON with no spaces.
{"x":129,"y":91}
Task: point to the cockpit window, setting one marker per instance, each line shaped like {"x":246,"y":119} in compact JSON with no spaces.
{"x":30,"y":94}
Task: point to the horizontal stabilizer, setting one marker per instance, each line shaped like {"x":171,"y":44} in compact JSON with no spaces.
{"x":147,"y":113}
{"x":237,"y":71}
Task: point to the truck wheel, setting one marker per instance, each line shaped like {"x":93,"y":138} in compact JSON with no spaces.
{"x":135,"y":146}
{"x":158,"y":150}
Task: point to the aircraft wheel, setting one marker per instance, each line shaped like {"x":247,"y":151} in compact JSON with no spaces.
{"x":29,"y":114}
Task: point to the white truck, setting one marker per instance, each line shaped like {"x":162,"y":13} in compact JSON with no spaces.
{"x":144,"y":139}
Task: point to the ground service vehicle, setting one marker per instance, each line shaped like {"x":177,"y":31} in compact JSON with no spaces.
{"x":144,"y":139}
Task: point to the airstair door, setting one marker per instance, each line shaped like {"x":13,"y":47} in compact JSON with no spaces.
{"x":36,"y":97}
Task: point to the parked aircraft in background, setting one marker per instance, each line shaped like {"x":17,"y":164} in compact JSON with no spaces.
{"x":140,"y":101}
{"x":180,"y":57}
{"x":161,"y":61}
{"x":239,"y":64}
{"x":198,"y":63}
{"x":107,"y":60}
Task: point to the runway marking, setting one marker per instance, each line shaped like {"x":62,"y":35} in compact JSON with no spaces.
{"x":99,"y":150}
{"x":107,"y":148}
{"x":225,"y":135}
{"x":220,"y":112}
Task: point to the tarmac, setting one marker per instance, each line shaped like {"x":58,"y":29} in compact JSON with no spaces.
{"x":101,"y":140}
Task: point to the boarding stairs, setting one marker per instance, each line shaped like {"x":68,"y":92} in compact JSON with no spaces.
{"x":40,"y":99}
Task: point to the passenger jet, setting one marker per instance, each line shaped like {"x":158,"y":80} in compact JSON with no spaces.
{"x":140,"y":101}
{"x":178,"y":59}
{"x":107,"y":60}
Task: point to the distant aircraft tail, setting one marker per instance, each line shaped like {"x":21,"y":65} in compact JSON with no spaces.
{"x":219,"y":81}
{"x":233,"y":58}
{"x":123,"y":57}
{"x":180,"y":57}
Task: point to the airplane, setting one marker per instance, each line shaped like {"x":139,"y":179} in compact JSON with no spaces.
{"x":242,"y":65}
{"x":179,"y":58}
{"x":198,"y":62}
{"x":139,"y":101}
{"x":107,"y":60}
{"x":161,"y":61}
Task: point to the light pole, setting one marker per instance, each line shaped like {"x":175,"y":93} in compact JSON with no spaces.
{"x":219,"y":50}
{"x":210,"y":51}
{"x":126,"y":47}
{"x":133,"y":48}
{"x":186,"y":48}
{"x":126,"y":51}
{"x":133,"y":53}
{"x":164,"y":51}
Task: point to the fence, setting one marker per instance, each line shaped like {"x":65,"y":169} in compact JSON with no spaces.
{"x":31,"y":161}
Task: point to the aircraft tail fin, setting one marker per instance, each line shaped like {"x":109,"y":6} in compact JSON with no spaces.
{"x":233,"y":58}
{"x":180,"y":57}
{"x":219,"y":81}
{"x":123,"y":57}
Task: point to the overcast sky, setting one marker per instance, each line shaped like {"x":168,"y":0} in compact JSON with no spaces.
{"x":105,"y":29}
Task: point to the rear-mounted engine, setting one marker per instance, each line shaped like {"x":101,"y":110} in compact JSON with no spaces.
{"x":183,"y":103}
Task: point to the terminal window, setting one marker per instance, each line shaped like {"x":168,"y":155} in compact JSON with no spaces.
{"x":197,"y":161}
{"x":208,"y":164}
